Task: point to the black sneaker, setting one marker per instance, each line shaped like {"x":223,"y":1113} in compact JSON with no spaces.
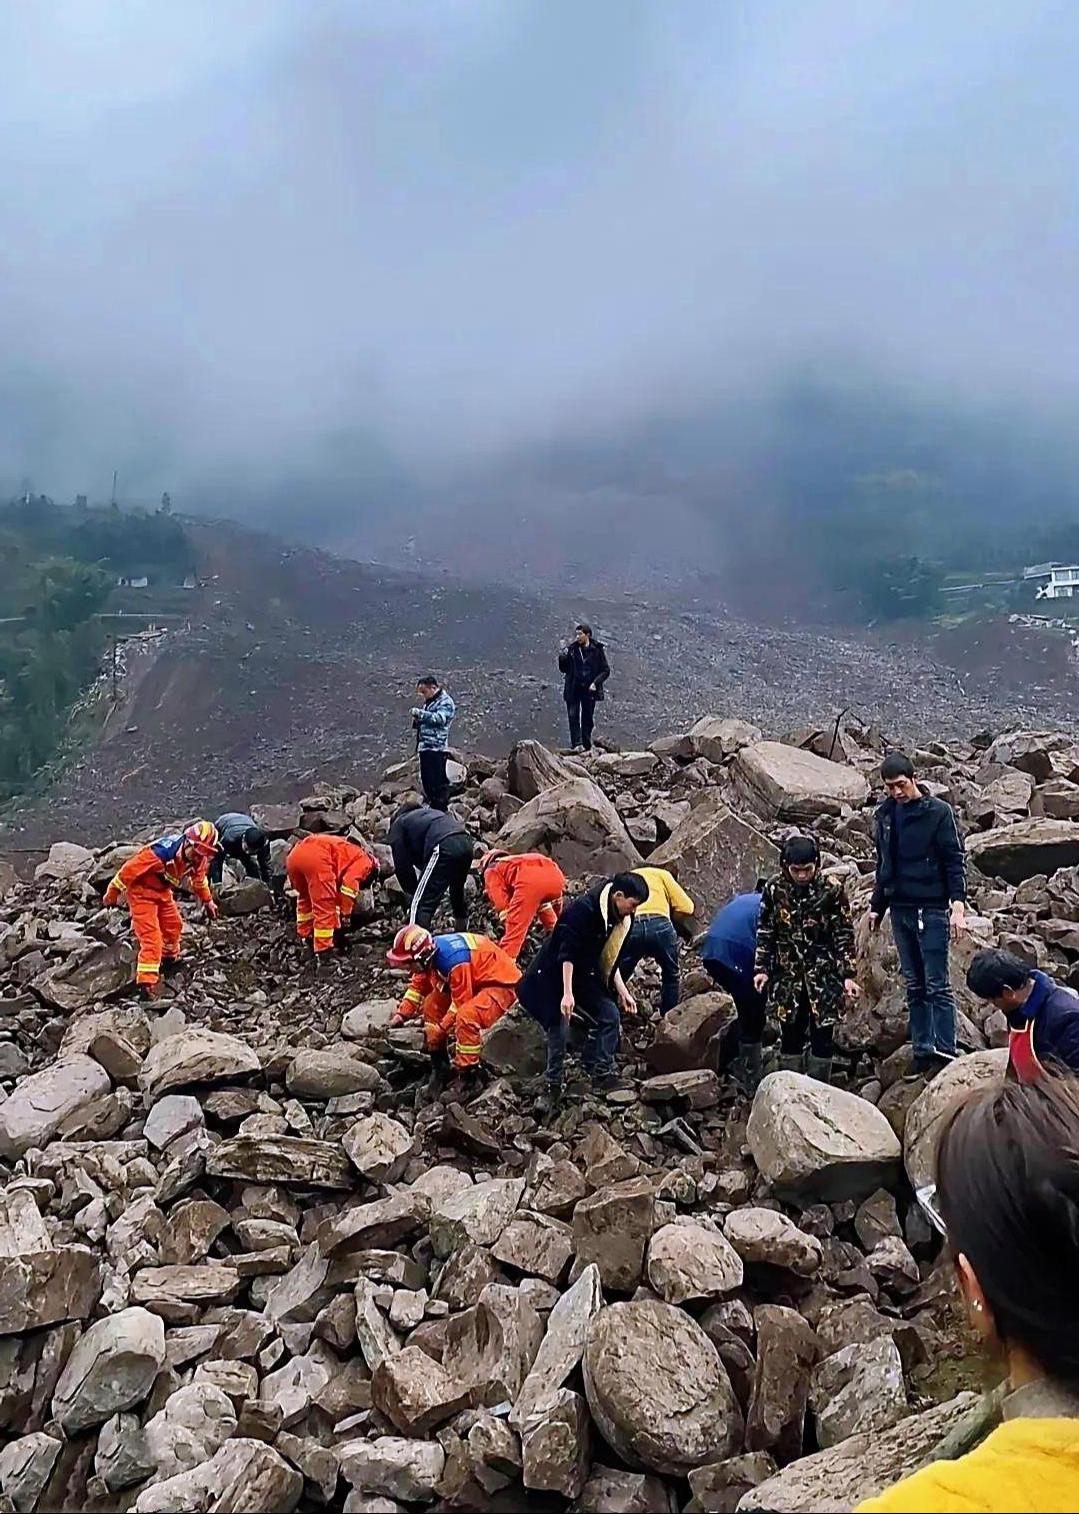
{"x":922,"y":1067}
{"x":608,"y":1082}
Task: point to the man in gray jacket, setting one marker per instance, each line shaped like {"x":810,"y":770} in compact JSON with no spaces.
{"x":431,"y":722}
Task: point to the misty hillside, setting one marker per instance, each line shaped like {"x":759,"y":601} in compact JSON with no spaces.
{"x":294,"y":663}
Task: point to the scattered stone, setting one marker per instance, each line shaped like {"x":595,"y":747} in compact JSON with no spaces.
{"x":763,"y":1236}
{"x":612,"y":1229}
{"x":478,"y":1214}
{"x":194,"y":1057}
{"x":685,"y":1034}
{"x":858,"y":1391}
{"x":33,"y":1114}
{"x":922,"y":1128}
{"x":379,"y":1148}
{"x":330,"y":1073}
{"x":786,"y":1351}
{"x":689,"y":1262}
{"x":693,"y":1089}
{"x":281,"y":1159}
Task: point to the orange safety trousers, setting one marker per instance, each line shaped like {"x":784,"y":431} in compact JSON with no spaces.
{"x":158,"y":926}
{"x":327,"y":873}
{"x":467,"y":1021}
{"x":535,"y":892}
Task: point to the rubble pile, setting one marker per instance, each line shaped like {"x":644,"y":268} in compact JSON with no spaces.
{"x":246,"y":1265}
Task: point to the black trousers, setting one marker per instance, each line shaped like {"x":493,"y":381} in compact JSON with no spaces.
{"x":749,"y":1004}
{"x":447,"y":868}
{"x":801,"y":1027}
{"x":217,"y":866}
{"x":581,"y":708}
{"x":435,"y":784}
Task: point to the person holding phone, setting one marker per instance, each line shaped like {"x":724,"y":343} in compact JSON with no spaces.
{"x":585,"y":669}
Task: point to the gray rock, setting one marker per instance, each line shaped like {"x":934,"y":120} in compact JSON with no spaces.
{"x":194,"y":1423}
{"x":33,"y":1114}
{"x":1023,"y":850}
{"x":88,"y":974}
{"x":281,"y":1159}
{"x":410,"y":1470}
{"x":26,"y":1465}
{"x":45,"y":1287}
{"x":812,"y":1141}
{"x":563,"y":1344}
{"x":922,"y":1128}
{"x":363,"y":1019}
{"x":786,"y":1351}
{"x":535,"y":1244}
{"x":244,"y":1474}
{"x":170,"y":1117}
{"x":329,"y":1072}
{"x":719,"y":737}
{"x":685,"y":1034}
{"x":575,"y":823}
{"x":610,"y":1490}
{"x":612,"y":1229}
{"x":478,"y":1214}
{"x":192,"y":1057}
{"x":112,"y":1368}
{"x":789,"y":783}
{"x":556,"y":1445}
{"x":858,"y":1391}
{"x":764,"y":1236}
{"x":688,"y":1262}
{"x":379,"y":1147}
{"x":715,"y":851}
{"x":415,"y":1393}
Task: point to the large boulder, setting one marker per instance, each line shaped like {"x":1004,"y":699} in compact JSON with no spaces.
{"x":1038,"y":753}
{"x":112,"y":1368}
{"x":786,"y":1352}
{"x":515,"y":1044}
{"x":715,"y":852}
{"x":575,"y":823}
{"x":689,"y":1263}
{"x":66,"y":859}
{"x":612,"y":1227}
{"x":684,"y":1036}
{"x":763,"y":1237}
{"x":88,"y":974}
{"x":657,"y":1389}
{"x":812,"y":1141}
{"x":718,"y":737}
{"x":193,"y":1057}
{"x":329,"y":1072}
{"x":40,"y":1104}
{"x":47,"y":1285}
{"x":864,"y":1465}
{"x":1017,"y":852}
{"x":922,"y":1128}
{"x":789,"y":783}
{"x":532,"y":768}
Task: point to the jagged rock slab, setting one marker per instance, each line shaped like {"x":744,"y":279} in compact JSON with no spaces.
{"x":414,"y":1392}
{"x":685,"y":1034}
{"x":478,"y":1215}
{"x":563,"y":1344}
{"x":281,"y":1159}
{"x":66,"y":859}
{"x":786,"y":1351}
{"x":39,"y":1105}
{"x":533,"y":768}
{"x":858,"y":1391}
{"x":384,"y":1223}
{"x":47,"y":1287}
{"x":575,"y":823}
{"x":363,"y":1019}
{"x":89,"y":974}
{"x":379,"y":1147}
{"x":716,"y":852}
{"x":515,"y":1045}
{"x":26,"y":1465}
{"x":719,"y":737}
{"x":763,"y":1237}
{"x":194,"y":1057}
{"x":789,"y":783}
{"x":612,"y":1228}
{"x":410,"y":1470}
{"x":556,"y":1446}
{"x":244,"y":1475}
{"x":1020,"y":851}
{"x":657,"y":1389}
{"x":810,"y":1140}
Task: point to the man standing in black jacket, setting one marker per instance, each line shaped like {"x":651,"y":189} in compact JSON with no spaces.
{"x":584,"y":665}
{"x":432,"y":852}
{"x":921,"y":878}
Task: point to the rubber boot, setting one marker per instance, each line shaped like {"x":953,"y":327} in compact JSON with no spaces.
{"x":467,"y":1083}
{"x":819,"y":1068}
{"x":440,"y":1072}
{"x":790,"y":1061}
{"x":749,"y":1068}
{"x":549,"y":1103}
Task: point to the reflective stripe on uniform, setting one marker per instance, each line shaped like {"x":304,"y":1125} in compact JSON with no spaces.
{"x":321,"y":934}
{"x":304,"y":916}
{"x":119,"y":884}
{"x":432,"y":863}
{"x":349,"y":893}
{"x":148,"y":967}
{"x":469,"y":1050}
{"x":413,"y":996}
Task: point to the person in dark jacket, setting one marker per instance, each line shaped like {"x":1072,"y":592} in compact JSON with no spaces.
{"x":431,"y":721}
{"x":432,"y":853}
{"x":246,"y":843}
{"x":728,"y":955}
{"x":1043,"y":1016}
{"x":586,"y":669}
{"x":805,"y":956}
{"x":572,"y":977}
{"x":921,"y":878}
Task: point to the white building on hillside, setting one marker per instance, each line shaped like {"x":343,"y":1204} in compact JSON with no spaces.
{"x":1054,"y":580}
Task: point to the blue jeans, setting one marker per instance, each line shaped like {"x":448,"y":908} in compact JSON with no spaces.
{"x":653,"y":936}
{"x":597,"y":1016}
{"x":922,"y":938}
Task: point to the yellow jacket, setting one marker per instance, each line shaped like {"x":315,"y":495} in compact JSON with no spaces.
{"x":1026,"y":1464}
{"x":664,"y":893}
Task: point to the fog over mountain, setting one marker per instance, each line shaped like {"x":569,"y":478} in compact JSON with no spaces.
{"x":391,"y":271}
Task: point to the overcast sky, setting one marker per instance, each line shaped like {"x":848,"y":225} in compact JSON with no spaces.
{"x":247,"y":239}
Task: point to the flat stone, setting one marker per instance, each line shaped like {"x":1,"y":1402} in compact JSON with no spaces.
{"x":695,"y":1089}
{"x":33,"y":1114}
{"x":281,"y":1159}
{"x":535,"y":1244}
{"x":563,"y":1343}
{"x":46,"y":1287}
{"x":193,"y":1057}
{"x":26,"y":1465}
{"x":478,"y":1214}
{"x":716,"y":853}
{"x":170,"y":1117}
{"x":786,"y":1351}
{"x":409,"y":1470}
{"x":685,"y":1034}
{"x":789,"y":783}
{"x":330,"y":1072}
{"x":363,"y":1020}
{"x":922,"y":1128}
{"x":858,"y":1391}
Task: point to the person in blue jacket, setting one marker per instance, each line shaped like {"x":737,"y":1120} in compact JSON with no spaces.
{"x":727,"y":954}
{"x":1043,"y":1016}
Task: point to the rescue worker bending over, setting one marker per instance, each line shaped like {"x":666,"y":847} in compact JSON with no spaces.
{"x":246,"y":843}
{"x":148,"y":880}
{"x":461,"y":984}
{"x":327,"y":873}
{"x":522,"y":888}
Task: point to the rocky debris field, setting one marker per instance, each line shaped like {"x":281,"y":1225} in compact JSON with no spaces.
{"x":245,"y":1264}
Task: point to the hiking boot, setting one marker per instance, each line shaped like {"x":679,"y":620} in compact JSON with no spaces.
{"x":549,"y":1104}
{"x":608,"y":1082}
{"x":440,"y":1072}
{"x":921,"y":1067}
{"x":819,"y":1068}
{"x":467,"y":1083}
{"x":170,"y":966}
{"x":748,"y":1067}
{"x":149,"y":992}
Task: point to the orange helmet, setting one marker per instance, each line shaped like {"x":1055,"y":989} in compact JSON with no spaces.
{"x":412,"y":943}
{"x":201,"y":836}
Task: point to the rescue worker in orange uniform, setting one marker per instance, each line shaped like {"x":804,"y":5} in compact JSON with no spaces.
{"x":461,"y":984}
{"x":148,"y":880}
{"x":327,"y":873}
{"x":522,"y":888}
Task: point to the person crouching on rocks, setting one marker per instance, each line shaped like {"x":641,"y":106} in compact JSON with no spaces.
{"x":805,"y":956}
{"x":462,"y":984}
{"x":572,"y":977}
{"x":148,"y":881}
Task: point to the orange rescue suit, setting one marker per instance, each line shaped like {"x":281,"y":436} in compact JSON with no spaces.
{"x":469,"y":984}
{"x":147,"y":880}
{"x":327,"y":873}
{"x":521,"y":888}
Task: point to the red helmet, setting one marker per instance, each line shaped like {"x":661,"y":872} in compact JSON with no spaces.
{"x":201,"y":836}
{"x":412,"y":944}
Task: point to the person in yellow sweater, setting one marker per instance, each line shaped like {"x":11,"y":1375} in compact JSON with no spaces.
{"x":1008,"y":1198}
{"x":665,"y":915}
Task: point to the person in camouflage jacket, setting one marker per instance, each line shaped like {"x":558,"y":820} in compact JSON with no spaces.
{"x":805,"y":956}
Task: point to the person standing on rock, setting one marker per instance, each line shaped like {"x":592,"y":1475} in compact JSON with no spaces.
{"x":573,"y":975}
{"x":432,"y":853}
{"x":921,"y":879}
{"x":327,"y":873}
{"x":148,"y":881}
{"x":1007,"y":1200}
{"x":522,"y":887}
{"x":805,"y":956}
{"x":583,"y":662}
{"x":431,"y":721}
{"x":1043,"y":1015}
{"x":665,"y":915}
{"x":728,"y":955}
{"x":461,"y":984}
{"x":246,"y":843}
